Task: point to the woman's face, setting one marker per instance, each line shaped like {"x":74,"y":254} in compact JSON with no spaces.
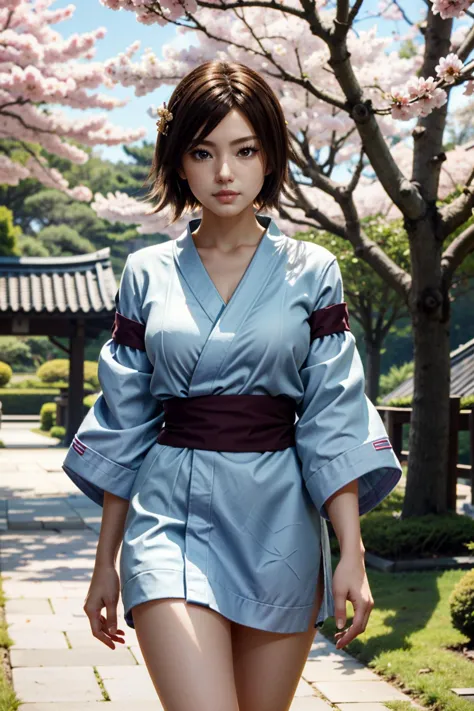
{"x":229,"y":158}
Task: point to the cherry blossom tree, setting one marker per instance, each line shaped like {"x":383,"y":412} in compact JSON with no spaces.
{"x":352,"y":100}
{"x":40,"y":70}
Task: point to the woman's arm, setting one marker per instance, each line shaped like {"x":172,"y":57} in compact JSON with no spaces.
{"x":111,"y":530}
{"x":343,"y":511}
{"x":350,"y":579}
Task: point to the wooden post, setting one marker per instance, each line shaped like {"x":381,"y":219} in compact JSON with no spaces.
{"x":453,"y":453}
{"x":76,"y":382}
{"x":395,"y":432}
{"x":471,"y":451}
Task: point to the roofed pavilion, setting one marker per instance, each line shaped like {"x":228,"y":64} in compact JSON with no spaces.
{"x":72,"y":297}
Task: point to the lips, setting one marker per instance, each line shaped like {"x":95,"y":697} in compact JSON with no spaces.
{"x":226,"y":192}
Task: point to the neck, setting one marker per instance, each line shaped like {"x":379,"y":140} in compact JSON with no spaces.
{"x":228,"y":233}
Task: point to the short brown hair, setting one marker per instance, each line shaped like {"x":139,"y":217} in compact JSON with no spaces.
{"x":203,"y":98}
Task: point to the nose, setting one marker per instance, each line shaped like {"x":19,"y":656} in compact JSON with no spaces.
{"x":224,"y":172}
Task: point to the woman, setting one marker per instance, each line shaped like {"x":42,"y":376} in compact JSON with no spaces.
{"x":222,"y":338}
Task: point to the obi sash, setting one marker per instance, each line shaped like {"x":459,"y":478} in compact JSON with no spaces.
{"x":231,"y":423}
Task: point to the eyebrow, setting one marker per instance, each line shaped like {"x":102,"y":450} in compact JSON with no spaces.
{"x":232,"y":143}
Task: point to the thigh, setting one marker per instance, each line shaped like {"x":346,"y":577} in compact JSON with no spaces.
{"x":188,"y":653}
{"x":268,"y":665}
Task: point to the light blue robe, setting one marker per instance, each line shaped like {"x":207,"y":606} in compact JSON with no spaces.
{"x":240,"y":532}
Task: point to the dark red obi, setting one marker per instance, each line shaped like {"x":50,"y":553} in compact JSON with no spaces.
{"x":231,"y":423}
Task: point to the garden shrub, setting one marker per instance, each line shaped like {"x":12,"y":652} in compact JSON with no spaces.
{"x":461,"y":603}
{"x":89,"y":400}
{"x":58,"y":431}
{"x":53,"y":370}
{"x":25,"y":402}
{"x":385,"y":534}
{"x":58,"y":369}
{"x":5,"y":374}
{"x":48,"y":416}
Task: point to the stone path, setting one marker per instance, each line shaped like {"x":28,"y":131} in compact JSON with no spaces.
{"x":49,"y":534}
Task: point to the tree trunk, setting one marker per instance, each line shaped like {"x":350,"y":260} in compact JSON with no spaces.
{"x":372,"y":370}
{"x":426,"y":490}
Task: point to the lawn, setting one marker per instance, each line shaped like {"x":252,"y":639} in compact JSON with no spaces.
{"x":8,"y":698}
{"x":408,"y":635}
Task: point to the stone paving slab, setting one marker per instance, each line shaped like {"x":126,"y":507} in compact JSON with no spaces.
{"x":62,"y":684}
{"x":33,"y":606}
{"x":359,"y":691}
{"x":127,"y":683}
{"x":358,"y":707}
{"x":101,"y":706}
{"x":84,"y":638}
{"x":303,"y":689}
{"x":326,"y":670}
{"x":81,"y":657}
{"x":37,"y":639}
{"x":61,"y":623}
{"x":312,"y":703}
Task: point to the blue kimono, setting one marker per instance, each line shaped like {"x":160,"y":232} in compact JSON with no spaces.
{"x":240,"y":532}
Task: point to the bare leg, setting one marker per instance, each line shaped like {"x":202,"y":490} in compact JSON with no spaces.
{"x":188,"y":652}
{"x":268,"y":665}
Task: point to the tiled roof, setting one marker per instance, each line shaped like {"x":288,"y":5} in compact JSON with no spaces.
{"x":82,"y":284}
{"x":462,"y":375}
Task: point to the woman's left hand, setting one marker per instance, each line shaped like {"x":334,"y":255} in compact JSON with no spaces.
{"x":350,"y":583}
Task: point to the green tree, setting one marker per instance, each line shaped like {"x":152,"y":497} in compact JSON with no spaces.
{"x":372,"y":303}
{"x":9,"y":234}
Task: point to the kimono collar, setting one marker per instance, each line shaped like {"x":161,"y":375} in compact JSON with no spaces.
{"x":192,"y":268}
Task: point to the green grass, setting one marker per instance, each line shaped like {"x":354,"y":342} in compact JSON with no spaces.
{"x":8,"y":699}
{"x":410,"y":629}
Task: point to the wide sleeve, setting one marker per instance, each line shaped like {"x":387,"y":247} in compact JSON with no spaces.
{"x":339,"y":434}
{"x":123,"y":424}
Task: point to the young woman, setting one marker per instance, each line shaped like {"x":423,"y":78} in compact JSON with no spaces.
{"x":232,"y":422}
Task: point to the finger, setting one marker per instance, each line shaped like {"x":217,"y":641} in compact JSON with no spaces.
{"x":340,"y":610}
{"x":115,"y":637}
{"x":96,"y":628}
{"x":357,"y":625}
{"x":111,"y":608}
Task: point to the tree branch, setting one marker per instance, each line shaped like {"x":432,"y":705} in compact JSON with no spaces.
{"x":466,"y":46}
{"x":459,"y":211}
{"x":428,"y":134}
{"x":354,"y":11}
{"x":457,"y":251}
{"x":403,"y":193}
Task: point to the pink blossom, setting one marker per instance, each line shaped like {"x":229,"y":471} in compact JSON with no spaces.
{"x":40,"y":71}
{"x":449,"y":68}
{"x":450,"y":8}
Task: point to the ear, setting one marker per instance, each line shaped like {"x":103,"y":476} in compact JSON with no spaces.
{"x":182,"y":174}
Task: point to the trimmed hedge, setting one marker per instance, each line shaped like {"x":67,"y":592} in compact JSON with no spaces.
{"x":35,"y":383}
{"x":466,"y":402}
{"x":5,"y":373}
{"x":58,"y":369}
{"x":461,"y":604}
{"x":25,"y":402}
{"x":48,"y":416}
{"x":434,"y":535}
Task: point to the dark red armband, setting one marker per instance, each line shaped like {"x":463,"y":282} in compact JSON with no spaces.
{"x":128,"y":332}
{"x":330,"y":319}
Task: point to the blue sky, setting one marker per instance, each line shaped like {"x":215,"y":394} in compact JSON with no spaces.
{"x":123,"y":29}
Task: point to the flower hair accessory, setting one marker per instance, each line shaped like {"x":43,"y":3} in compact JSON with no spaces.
{"x":165,"y":116}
